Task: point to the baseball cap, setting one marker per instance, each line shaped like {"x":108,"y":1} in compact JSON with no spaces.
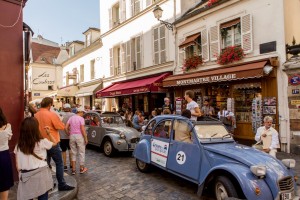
{"x":80,"y":109}
{"x":66,"y":105}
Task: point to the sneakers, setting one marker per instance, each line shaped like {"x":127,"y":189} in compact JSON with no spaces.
{"x":66,"y":188}
{"x":83,"y":170}
{"x":65,"y":168}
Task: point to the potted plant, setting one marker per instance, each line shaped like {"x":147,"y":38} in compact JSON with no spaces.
{"x":192,"y":63}
{"x":230,"y":54}
{"x":211,"y":2}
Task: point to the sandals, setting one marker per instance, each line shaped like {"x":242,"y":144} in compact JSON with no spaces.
{"x":83,"y":170}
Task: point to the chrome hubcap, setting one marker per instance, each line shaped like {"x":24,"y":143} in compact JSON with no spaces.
{"x":107,"y":147}
{"x":221,"y":192}
{"x":141,"y":164}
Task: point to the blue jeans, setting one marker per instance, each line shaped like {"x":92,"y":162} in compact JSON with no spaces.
{"x":43,"y":196}
{"x":55,"y":154}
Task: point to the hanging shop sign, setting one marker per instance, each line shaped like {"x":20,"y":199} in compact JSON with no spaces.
{"x":294,"y":79}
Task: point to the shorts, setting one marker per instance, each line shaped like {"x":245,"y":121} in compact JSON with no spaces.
{"x":64,"y":145}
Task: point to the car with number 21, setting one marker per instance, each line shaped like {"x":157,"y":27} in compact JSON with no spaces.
{"x":205,"y":153}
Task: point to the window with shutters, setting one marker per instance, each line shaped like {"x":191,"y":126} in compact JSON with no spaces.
{"x":135,"y":7}
{"x":231,"y":33}
{"x":149,"y":2}
{"x":92,"y":63}
{"x":115,"y":61}
{"x":81,"y":73}
{"x":195,"y":49}
{"x":135,"y":51}
{"x":115,"y":15}
{"x":159,"y":45}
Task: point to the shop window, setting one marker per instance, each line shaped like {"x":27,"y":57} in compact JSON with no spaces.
{"x":231,"y":33}
{"x":244,"y":94}
{"x":163,"y":129}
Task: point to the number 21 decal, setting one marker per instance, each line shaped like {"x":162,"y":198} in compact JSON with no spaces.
{"x":180,"y":157}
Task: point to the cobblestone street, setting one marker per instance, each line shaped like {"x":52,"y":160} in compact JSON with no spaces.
{"x":118,"y":178}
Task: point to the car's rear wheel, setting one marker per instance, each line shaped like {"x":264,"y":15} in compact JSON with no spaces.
{"x":108,"y":148}
{"x":224,"y":189}
{"x":142,"y":166}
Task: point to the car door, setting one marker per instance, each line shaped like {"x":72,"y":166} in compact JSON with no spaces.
{"x":96,"y":131}
{"x":184,"y":152}
{"x":160,"y":142}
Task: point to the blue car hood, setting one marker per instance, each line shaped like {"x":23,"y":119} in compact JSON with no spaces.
{"x":247,"y":156}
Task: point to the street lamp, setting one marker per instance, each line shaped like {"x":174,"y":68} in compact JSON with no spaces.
{"x":157,"y":11}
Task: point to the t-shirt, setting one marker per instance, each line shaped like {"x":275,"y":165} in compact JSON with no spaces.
{"x":191,"y":106}
{"x":170,"y":107}
{"x":75,"y":123}
{"x":5,"y":135}
{"x":28,"y":162}
{"x":65,"y":119}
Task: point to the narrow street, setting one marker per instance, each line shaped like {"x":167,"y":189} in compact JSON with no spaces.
{"x":118,"y":178}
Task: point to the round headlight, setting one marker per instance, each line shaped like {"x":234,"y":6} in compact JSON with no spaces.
{"x":259,"y":170}
{"x":122,"y":135}
{"x":289,"y":163}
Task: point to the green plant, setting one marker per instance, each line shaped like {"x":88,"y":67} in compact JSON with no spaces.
{"x":230,"y":54}
{"x":192,"y":63}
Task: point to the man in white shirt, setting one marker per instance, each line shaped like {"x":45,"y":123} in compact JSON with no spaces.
{"x":269,"y":137}
{"x":192,"y":105}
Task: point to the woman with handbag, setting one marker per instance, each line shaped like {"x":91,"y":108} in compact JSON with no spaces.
{"x":6,"y":173}
{"x":35,"y":177}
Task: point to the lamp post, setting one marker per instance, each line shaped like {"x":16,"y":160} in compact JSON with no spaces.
{"x":157,"y":11}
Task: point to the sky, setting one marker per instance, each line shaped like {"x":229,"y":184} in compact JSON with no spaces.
{"x":61,"y":20}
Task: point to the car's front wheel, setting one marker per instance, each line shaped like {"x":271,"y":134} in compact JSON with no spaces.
{"x":108,"y":148}
{"x":142,"y":166}
{"x":224,"y":189}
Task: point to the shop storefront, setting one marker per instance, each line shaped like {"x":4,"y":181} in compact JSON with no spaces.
{"x":85,"y":95}
{"x":67,"y":94}
{"x":248,"y":90}
{"x":145,"y":94}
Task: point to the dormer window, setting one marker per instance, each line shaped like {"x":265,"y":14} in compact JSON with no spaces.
{"x":88,"y":39}
{"x":72,"y":50}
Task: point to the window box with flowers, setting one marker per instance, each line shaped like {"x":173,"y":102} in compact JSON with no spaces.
{"x":192,"y":63}
{"x":230,"y":55}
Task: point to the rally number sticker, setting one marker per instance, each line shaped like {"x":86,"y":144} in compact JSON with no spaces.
{"x":180,"y":157}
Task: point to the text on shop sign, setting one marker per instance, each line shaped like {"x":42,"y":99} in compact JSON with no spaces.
{"x":206,"y":79}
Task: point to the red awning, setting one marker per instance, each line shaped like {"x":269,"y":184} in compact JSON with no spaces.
{"x":151,"y":84}
{"x":190,"y":40}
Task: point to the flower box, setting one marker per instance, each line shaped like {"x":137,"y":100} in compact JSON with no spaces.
{"x":192,"y":63}
{"x":230,"y":55}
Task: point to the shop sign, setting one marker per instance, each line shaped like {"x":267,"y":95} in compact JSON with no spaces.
{"x":294,"y":79}
{"x":72,"y":76}
{"x":207,"y":79}
{"x":295,"y":102}
{"x":295,"y":91}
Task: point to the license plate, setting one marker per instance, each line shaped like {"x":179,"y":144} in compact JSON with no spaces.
{"x":287,"y":196}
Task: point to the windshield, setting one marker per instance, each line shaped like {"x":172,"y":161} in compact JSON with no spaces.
{"x":207,"y":132}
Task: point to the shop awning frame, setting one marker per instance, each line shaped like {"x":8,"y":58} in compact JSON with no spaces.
{"x":240,"y":72}
{"x":68,"y":91}
{"x":145,"y":85}
{"x":88,"y":90}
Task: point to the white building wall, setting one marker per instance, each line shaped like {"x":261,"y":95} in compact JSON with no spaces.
{"x":141,"y":24}
{"x":84,"y":60}
{"x":268,"y":25}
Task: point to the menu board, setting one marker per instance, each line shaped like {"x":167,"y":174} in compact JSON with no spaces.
{"x":178,"y":106}
{"x":256,"y":113}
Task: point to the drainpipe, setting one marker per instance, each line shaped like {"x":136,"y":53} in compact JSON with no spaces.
{"x":175,"y":38}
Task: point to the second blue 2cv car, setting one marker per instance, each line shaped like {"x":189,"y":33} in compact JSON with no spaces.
{"x":206,"y":154}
